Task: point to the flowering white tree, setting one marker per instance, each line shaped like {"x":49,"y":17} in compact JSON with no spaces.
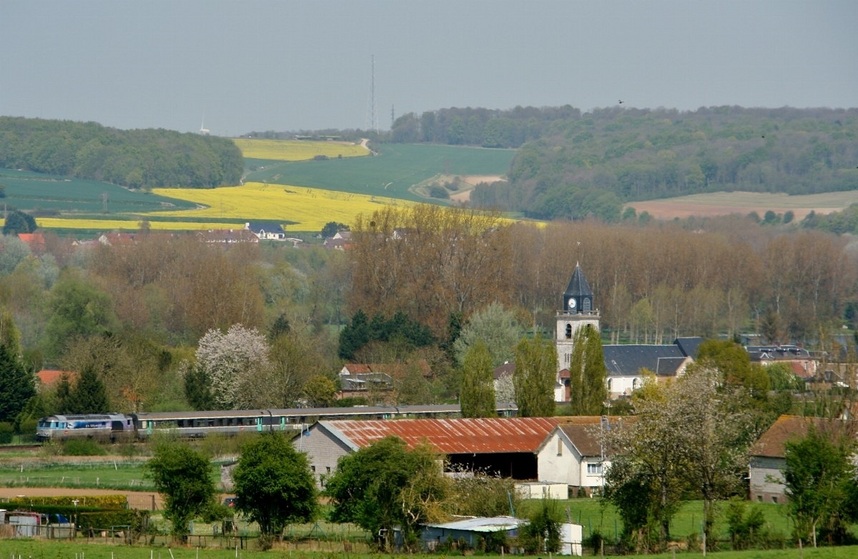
{"x":236,"y":364}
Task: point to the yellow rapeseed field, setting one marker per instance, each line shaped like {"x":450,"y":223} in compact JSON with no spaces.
{"x":296,"y":150}
{"x":309,"y":208}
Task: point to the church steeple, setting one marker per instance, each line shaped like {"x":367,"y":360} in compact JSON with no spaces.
{"x":577,"y":312}
{"x":578,"y":297}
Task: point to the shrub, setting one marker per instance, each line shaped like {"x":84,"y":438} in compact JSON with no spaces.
{"x":83,"y":447}
{"x":746,"y":530}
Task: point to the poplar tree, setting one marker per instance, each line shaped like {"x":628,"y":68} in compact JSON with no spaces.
{"x":534,"y":377}
{"x":477,"y":396}
{"x":587,"y":373}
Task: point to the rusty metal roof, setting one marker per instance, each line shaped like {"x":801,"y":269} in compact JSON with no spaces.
{"x":451,"y":436}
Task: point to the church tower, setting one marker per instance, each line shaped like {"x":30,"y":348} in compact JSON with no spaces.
{"x":577,"y":311}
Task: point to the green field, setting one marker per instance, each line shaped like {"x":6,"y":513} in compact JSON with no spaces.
{"x":40,"y":549}
{"x":392,"y":173}
{"x":44,"y":193}
{"x":123,"y":475}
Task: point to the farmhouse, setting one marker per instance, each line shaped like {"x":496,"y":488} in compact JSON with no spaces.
{"x":768,"y":454}
{"x":572,"y":454}
{"x":503,"y":446}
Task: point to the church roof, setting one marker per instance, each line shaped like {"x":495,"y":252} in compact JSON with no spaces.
{"x":663,"y":360}
{"x":578,"y":285}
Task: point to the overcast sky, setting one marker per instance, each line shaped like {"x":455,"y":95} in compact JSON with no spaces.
{"x":255,"y":65}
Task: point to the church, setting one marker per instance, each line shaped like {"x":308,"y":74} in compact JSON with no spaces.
{"x":623,"y":362}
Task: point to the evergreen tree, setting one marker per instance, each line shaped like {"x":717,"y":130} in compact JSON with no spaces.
{"x":477,"y":396}
{"x":534,"y":377}
{"x":198,"y":389}
{"x":19,"y":222}
{"x":88,"y":394}
{"x":17,"y":385}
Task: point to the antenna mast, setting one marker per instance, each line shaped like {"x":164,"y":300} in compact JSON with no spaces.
{"x":372,"y":122}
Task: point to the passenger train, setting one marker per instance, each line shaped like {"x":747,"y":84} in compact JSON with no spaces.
{"x":194,"y":424}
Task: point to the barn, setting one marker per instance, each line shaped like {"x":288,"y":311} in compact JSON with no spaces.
{"x":504,"y":446}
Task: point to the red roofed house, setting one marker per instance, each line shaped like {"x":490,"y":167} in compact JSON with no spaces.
{"x":49,"y":378}
{"x":506,"y":446}
{"x":36,"y":241}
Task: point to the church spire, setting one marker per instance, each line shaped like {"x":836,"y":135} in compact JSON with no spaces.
{"x":578,"y":296}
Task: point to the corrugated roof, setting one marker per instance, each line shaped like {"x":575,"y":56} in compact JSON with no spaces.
{"x":451,"y":436}
{"x":482,"y":524}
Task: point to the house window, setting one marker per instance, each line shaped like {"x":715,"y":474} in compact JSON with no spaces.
{"x":313,"y":469}
{"x":328,"y":469}
{"x":559,"y":447}
{"x":568,"y":331}
{"x":774,"y":499}
{"x":594,"y":469}
{"x":586,"y":305}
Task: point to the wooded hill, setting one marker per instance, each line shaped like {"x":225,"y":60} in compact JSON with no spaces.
{"x":573,"y":165}
{"x":133,"y":158}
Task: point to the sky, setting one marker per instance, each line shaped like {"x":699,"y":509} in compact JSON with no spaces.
{"x":236,"y":67}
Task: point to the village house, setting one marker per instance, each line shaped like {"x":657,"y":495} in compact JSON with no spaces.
{"x":573,"y":455}
{"x":266,"y":230}
{"x":768,"y":454}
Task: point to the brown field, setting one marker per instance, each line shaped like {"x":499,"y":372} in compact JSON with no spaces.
{"x":726,"y":203}
{"x":136,"y":499}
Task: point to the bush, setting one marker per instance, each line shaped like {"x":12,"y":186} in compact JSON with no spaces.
{"x":83,"y":447}
{"x":746,"y":530}
{"x":6,"y":432}
{"x":436,"y":191}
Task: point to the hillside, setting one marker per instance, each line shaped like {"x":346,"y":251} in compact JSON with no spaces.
{"x":132,"y":158}
{"x":571,"y":165}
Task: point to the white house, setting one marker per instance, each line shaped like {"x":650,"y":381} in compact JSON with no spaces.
{"x":266,"y":230}
{"x":572,"y":454}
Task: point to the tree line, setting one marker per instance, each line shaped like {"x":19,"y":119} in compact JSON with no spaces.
{"x":133,"y":158}
{"x":153,"y":315}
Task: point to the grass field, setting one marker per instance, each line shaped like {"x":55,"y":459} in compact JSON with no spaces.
{"x":296,"y":150}
{"x":41,"y":549}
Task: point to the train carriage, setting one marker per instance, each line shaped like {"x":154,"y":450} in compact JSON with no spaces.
{"x":197,"y":424}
